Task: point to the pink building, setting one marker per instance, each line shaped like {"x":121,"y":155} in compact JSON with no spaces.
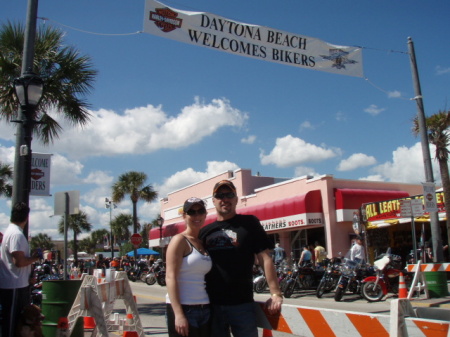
{"x":294,"y":212}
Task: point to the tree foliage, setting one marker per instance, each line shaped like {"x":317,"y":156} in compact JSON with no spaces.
{"x":5,"y":180}
{"x":68,"y":77}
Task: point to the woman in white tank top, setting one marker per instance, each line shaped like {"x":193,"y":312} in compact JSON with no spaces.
{"x":188,"y":311}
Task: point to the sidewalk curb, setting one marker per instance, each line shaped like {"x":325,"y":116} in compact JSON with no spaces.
{"x":443,"y":303}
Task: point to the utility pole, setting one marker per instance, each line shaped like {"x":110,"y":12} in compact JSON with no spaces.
{"x":438,"y":252}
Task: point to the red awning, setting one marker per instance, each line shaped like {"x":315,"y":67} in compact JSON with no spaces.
{"x":301,"y":210}
{"x":349,"y":200}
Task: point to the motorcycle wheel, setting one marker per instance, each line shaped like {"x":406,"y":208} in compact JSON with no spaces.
{"x":289,"y":289}
{"x":283,"y":283}
{"x":260,"y":286}
{"x":150,"y":280}
{"x":321,"y":288}
{"x":371,"y":292}
{"x":161,"y":279}
{"x":338,"y":294}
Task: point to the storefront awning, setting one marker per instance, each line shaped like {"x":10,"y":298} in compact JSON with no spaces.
{"x":299,"y":211}
{"x":390,"y":222}
{"x":350,"y":200}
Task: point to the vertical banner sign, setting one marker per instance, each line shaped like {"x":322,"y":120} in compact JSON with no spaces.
{"x":40,"y":174}
{"x":259,"y":42}
{"x":429,"y":197}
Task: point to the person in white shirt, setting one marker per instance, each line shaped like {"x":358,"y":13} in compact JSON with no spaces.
{"x":188,"y":312}
{"x":15,"y":269}
{"x":357,"y":252}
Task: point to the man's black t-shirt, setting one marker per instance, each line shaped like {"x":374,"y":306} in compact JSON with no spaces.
{"x":232,"y":245}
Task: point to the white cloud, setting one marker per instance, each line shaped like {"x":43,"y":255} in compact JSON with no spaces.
{"x":64,"y":170}
{"x":7,"y":155}
{"x":147,"y":129}
{"x":442,"y":70}
{"x":305,"y":171}
{"x":292,"y":151}
{"x":375,"y":177}
{"x":340,"y":116}
{"x":249,"y":140}
{"x":306,"y":125}
{"x":406,"y":166}
{"x":373,"y":110}
{"x":355,"y":161}
{"x":7,"y":131}
{"x":189,"y":176}
{"x":394,"y":94}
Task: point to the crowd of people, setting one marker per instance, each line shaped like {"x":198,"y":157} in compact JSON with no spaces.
{"x":117,"y":263}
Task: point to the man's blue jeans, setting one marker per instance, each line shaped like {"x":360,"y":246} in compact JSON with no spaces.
{"x":240,"y":318}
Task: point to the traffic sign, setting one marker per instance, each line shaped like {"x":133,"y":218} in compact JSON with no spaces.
{"x":417,"y":207}
{"x":405,"y":208}
{"x":136,"y":240}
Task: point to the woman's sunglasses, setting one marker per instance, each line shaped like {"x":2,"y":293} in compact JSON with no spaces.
{"x":200,"y":211}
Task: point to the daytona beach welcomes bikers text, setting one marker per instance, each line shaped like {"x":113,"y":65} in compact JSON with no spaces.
{"x":252,"y":32}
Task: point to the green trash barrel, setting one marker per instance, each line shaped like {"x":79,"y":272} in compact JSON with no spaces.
{"x":57,"y":300}
{"x":436,"y":283}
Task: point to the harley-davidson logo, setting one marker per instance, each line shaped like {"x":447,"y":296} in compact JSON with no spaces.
{"x":165,"y":19}
{"x":36,"y":174}
{"x":339,"y":58}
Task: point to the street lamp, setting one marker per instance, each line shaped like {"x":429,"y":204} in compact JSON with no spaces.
{"x":160,"y":222}
{"x":28,"y":89}
{"x":109,"y":204}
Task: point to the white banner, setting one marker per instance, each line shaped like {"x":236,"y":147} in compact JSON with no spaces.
{"x":40,"y":174}
{"x":263,"y":43}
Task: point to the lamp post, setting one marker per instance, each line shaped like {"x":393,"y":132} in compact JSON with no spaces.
{"x":28,"y":89}
{"x":109,"y":204}
{"x":160,"y":222}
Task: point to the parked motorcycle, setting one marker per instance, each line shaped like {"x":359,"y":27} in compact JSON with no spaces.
{"x":259,"y":279}
{"x":330,"y":277}
{"x":386,"y":279}
{"x":299,"y":278}
{"x":151,"y":276}
{"x":352,"y":274}
{"x":158,"y":274}
{"x":138,"y":272}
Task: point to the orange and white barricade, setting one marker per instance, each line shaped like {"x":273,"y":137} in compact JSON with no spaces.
{"x":319,"y":322}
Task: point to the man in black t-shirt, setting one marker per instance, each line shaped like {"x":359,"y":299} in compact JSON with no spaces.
{"x":232,"y":241}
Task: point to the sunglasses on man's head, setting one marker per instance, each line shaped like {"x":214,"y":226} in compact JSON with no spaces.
{"x":229,"y":195}
{"x":200,"y":211}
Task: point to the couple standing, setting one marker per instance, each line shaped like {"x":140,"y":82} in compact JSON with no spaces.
{"x":223,"y":254}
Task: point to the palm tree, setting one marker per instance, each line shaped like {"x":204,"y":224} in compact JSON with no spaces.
{"x":98,"y":237}
{"x":120,"y":227}
{"x":87,"y":245}
{"x":133,"y":183}
{"x":439,"y":135}
{"x":146,"y":227}
{"x":68,"y":76}
{"x":5,"y":178}
{"x":42,"y":241}
{"x":78,"y":223}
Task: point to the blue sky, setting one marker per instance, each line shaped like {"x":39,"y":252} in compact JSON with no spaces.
{"x":182,"y":113}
